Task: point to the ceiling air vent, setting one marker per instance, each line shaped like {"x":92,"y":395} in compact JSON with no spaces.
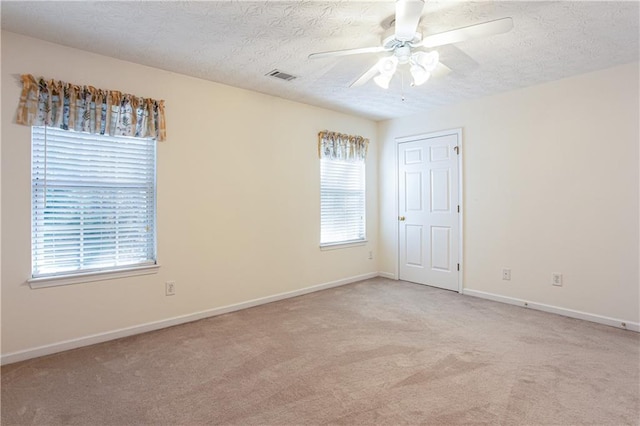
{"x":281,"y":75}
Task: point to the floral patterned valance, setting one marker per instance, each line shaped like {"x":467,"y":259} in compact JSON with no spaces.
{"x":338,"y":146}
{"x":87,"y":109}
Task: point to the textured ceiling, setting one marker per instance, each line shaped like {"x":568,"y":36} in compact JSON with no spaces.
{"x":238,"y":42}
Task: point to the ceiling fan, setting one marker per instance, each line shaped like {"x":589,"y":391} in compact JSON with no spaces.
{"x":405,"y":43}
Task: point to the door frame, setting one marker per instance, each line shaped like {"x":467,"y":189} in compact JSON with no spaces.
{"x":458,"y":133}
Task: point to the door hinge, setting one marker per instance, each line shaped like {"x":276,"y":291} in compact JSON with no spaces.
{"x":457,"y":148}
{"x":458,"y":208}
{"x":458,"y":266}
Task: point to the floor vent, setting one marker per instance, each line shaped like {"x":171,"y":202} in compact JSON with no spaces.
{"x":281,"y":75}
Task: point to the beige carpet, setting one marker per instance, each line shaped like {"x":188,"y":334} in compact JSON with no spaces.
{"x":374,"y":352}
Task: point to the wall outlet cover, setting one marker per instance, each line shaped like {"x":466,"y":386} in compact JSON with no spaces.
{"x":556,"y":279}
{"x":506,"y":274}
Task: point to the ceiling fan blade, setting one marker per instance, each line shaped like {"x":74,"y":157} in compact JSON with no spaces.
{"x":368,"y":75}
{"x":485,"y":29}
{"x":336,"y":53}
{"x":408,"y":14}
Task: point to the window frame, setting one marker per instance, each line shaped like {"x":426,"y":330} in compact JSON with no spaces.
{"x":347,"y":242}
{"x":89,"y":274}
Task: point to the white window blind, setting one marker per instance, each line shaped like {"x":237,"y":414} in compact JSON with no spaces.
{"x":93,"y":202}
{"x":342,"y":202}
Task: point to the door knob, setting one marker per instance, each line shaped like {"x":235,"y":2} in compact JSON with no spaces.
{"x":401,"y":218}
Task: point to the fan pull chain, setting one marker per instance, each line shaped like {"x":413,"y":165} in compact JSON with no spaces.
{"x":402,"y":86}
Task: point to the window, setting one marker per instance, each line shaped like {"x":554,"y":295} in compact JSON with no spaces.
{"x":93,"y":202}
{"x":342,"y":201}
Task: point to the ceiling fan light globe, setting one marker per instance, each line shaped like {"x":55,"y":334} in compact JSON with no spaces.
{"x":383,"y":80}
{"x":432,"y":60}
{"x":388,"y":65}
{"x":428,"y":61}
{"x":419,"y":74}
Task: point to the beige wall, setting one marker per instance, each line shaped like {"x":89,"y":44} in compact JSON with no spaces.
{"x":238,"y":201}
{"x":550,"y":185}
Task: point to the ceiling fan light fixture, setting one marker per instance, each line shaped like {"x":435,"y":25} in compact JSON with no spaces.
{"x":428,"y":61}
{"x":419,"y":74}
{"x":387,"y":65}
{"x":383,"y":80}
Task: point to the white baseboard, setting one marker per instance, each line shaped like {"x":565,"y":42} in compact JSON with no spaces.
{"x":169,"y":322}
{"x":613,"y":322}
{"x":389,"y":275}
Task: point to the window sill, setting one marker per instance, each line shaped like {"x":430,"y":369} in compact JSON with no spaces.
{"x":336,"y":246}
{"x":59,"y":280}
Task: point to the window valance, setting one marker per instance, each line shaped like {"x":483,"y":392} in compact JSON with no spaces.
{"x":87,"y":109}
{"x":338,"y":146}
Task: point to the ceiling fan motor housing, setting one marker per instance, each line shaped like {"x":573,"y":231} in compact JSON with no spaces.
{"x":403,"y":53}
{"x":389,"y":40}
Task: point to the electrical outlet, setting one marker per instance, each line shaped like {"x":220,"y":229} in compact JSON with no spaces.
{"x":556,"y":279}
{"x":370,"y":255}
{"x":506,"y":274}
{"x":170,"y":288}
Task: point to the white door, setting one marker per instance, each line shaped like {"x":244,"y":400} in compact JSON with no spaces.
{"x":428,"y":211}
